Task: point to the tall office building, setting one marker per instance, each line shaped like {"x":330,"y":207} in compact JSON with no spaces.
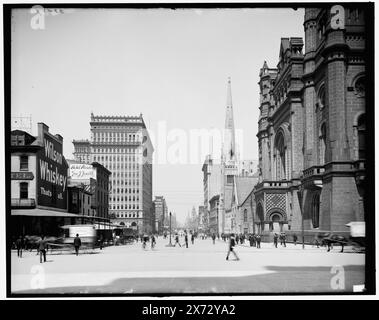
{"x":122,"y":145}
{"x":160,"y":213}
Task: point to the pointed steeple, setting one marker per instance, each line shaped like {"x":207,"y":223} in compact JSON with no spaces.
{"x":229,"y":150}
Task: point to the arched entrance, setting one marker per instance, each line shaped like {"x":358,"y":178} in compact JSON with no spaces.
{"x":276,"y":220}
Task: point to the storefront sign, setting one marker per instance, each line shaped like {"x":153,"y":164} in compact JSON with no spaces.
{"x":22,"y":176}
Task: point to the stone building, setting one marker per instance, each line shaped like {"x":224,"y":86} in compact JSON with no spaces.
{"x":122,"y":145}
{"x":312,"y":127}
{"x":160,"y":214}
{"x":242,"y":207}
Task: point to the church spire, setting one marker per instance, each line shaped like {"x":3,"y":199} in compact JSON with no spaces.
{"x":229,"y":152}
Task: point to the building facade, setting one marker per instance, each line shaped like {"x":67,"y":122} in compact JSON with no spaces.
{"x":38,"y":183}
{"x":242,"y":208}
{"x":122,"y":145}
{"x":160,"y":214}
{"x":212,"y":181}
{"x":312,"y":127}
{"x":94,"y":179}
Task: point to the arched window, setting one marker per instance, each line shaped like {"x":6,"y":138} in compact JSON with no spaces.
{"x":245,"y":215}
{"x":360,"y":87}
{"x":321,"y":97}
{"x":322,"y":144}
{"x":361,"y":128}
{"x":316,"y":211}
{"x":280,"y":157}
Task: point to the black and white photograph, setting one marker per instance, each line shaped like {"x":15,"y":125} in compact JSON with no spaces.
{"x":190,"y":149}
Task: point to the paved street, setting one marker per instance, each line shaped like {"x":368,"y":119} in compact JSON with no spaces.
{"x":201,"y":268}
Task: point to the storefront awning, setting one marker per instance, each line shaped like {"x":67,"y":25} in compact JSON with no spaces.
{"x":43,"y":213}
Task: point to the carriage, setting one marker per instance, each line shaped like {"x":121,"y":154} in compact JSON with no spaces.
{"x":356,"y":239}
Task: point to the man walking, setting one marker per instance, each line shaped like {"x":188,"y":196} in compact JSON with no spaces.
{"x":276,"y":240}
{"x":284,"y":239}
{"x":192,"y":238}
{"x":19,"y":246}
{"x":232,"y":244}
{"x":42,"y":249}
{"x":177,"y":240}
{"x":294,"y":239}
{"x":101,"y":241}
{"x":77,"y":244}
{"x":153,"y":241}
{"x":258,"y":240}
{"x":213,"y":238}
{"x":186,"y":239}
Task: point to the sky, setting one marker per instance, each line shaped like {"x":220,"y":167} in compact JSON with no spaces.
{"x":170,"y":65}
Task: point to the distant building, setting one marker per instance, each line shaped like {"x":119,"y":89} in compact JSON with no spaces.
{"x":219,"y":176}
{"x":203,"y":219}
{"x":248,"y":168}
{"x":122,"y":145}
{"x":212,"y":181}
{"x":160,"y":213}
{"x":214,"y":214}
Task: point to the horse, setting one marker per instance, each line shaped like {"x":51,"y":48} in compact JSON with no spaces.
{"x":329,"y":239}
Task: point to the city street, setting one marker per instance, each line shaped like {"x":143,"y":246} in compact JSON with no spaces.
{"x":201,"y":268}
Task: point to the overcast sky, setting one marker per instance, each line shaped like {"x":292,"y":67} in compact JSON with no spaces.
{"x":170,"y":65}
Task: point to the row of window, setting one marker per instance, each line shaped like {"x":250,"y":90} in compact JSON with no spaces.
{"x":117,"y":150}
{"x":122,"y":206}
{"x":114,"y":183}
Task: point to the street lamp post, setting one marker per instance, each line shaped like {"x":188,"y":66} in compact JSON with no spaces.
{"x":170,"y":243}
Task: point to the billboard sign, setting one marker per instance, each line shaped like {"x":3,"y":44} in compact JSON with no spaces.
{"x":51,"y":174}
{"x":81,"y":171}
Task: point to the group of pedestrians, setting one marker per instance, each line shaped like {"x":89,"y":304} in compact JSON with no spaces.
{"x":255,"y":240}
{"x":177,"y":242}
{"x":281,"y":237}
{"x":145,"y":239}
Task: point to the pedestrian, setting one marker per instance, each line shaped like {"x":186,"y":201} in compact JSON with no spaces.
{"x":232,"y":244}
{"x":218,"y":236}
{"x":213,"y":238}
{"x":101,"y":241}
{"x":42,"y":245}
{"x":77,"y":244}
{"x":294,"y":239}
{"x":258,"y":240}
{"x":237,"y":239}
{"x":177,"y":240}
{"x":153,"y":242}
{"x":284,"y":239}
{"x":192,"y":238}
{"x":186,"y":239}
{"x":276,"y":240}
{"x":19,"y":246}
